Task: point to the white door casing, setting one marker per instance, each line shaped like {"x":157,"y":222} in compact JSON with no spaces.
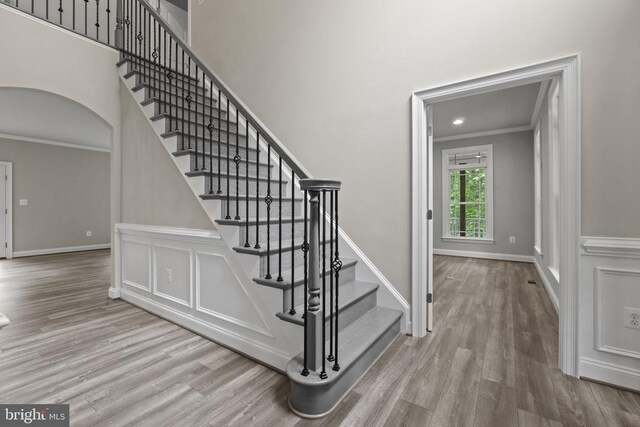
{"x":6,"y":210}
{"x":567,"y":70}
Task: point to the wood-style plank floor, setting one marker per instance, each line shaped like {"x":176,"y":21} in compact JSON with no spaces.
{"x":491,"y":360}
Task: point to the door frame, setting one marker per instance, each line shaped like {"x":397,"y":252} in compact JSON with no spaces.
{"x":9,"y":205}
{"x":567,"y":70}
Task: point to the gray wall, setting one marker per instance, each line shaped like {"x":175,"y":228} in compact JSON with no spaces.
{"x":68,"y":193}
{"x":153,"y":190}
{"x":513,"y":201}
{"x":332,"y":79}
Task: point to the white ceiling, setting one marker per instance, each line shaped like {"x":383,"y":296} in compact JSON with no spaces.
{"x":501,"y":109}
{"x":36,"y":115}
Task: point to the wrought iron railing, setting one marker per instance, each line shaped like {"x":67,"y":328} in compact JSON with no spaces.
{"x":227,"y":141}
{"x":92,"y":18}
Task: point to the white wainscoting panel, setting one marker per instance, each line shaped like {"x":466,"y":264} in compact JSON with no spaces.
{"x":609,"y":282}
{"x":136,"y":267}
{"x":190,"y":278}
{"x":172,"y":276}
{"x":216,"y":285}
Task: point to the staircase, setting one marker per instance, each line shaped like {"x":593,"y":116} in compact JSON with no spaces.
{"x":268,"y":208}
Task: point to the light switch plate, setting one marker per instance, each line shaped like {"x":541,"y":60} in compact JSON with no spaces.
{"x":24,"y":202}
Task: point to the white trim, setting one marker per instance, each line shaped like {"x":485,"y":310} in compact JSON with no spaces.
{"x":67,"y":249}
{"x":612,"y":247}
{"x":57,"y":27}
{"x":568,"y":70}
{"x":483,"y":133}
{"x":182,"y":234}
{"x":610,"y":373}
{"x":483,"y":255}
{"x":53,"y":142}
{"x":406,"y":308}
{"x":544,"y":86}
{"x":446,"y":187}
{"x":598,"y":272}
{"x":8,"y":199}
{"x":547,"y":285}
{"x":468,"y":240}
{"x":537,"y":188}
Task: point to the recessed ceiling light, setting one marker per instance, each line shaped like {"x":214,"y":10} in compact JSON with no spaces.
{"x":458,"y":122}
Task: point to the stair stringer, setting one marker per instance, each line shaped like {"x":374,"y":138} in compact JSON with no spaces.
{"x":285,"y":338}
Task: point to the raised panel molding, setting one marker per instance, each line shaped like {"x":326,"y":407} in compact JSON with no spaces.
{"x":228,"y":294}
{"x":603,"y":291}
{"x":184,"y":277}
{"x":209,"y":292}
{"x":609,"y":282}
{"x":136,"y":265}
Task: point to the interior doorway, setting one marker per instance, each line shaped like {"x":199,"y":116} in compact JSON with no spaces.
{"x":565,"y":72}
{"x":6,"y":240}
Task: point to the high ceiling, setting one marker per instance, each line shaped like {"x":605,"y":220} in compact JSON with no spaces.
{"x":44,"y":116}
{"x":501,"y":109}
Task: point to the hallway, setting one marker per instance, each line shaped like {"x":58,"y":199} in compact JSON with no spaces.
{"x":490,"y":362}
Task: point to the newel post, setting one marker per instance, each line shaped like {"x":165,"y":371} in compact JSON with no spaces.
{"x":314,"y":320}
{"x":119,"y":35}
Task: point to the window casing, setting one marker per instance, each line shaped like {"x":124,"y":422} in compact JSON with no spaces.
{"x":537,"y":177}
{"x":467,"y":196}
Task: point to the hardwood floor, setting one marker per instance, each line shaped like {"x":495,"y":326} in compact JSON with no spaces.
{"x":490,"y":362}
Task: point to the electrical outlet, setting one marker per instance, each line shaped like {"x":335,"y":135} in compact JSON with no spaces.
{"x":169,"y":275}
{"x":88,"y":233}
{"x":512,"y":239}
{"x":632,"y":317}
{"x":24,"y":202}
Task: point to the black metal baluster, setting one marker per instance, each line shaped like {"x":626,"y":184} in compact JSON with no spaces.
{"x":322,"y":223}
{"x":279,"y":279}
{"x":196,"y":118}
{"x":108,"y":23}
{"x":73,"y":13}
{"x":268,"y":199}
{"x":330,"y":358}
{"x":257,"y":246}
{"x":97,"y":19}
{"x":211,"y":128}
{"x":219,"y":104}
{"x":305,"y":249}
{"x":154,"y":56}
{"x":237,"y":159}
{"x":228,"y":216}
{"x":187,"y":83}
{"x":336,"y":265}
{"x":47,"y":11}
{"x":204,"y":121}
{"x":292,"y":310}
{"x":165,"y":74}
{"x":246,"y":183}
{"x":60,"y":10}
{"x":180,"y":83}
{"x":85,"y":16}
{"x":32,"y":6}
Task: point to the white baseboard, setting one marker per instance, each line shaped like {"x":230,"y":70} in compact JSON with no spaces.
{"x":61,"y":250}
{"x":610,"y":373}
{"x":548,"y":287}
{"x":484,"y":255}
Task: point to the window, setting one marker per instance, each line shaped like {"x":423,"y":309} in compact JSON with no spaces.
{"x":468,"y":193}
{"x":537,"y":179}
